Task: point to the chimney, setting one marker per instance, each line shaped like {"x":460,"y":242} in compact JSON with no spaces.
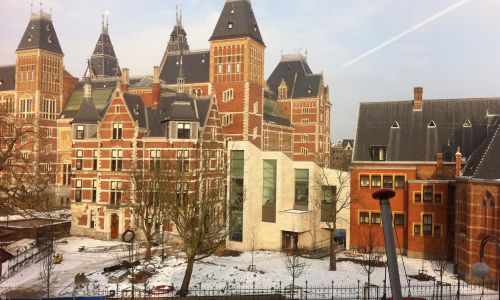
{"x":125,"y":79}
{"x":439,"y":166}
{"x":417,"y":98}
{"x":155,"y":87}
{"x":458,"y":162}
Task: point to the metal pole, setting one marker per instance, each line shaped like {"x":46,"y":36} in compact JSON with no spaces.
{"x":383,"y":195}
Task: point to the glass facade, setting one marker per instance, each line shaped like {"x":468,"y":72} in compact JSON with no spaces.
{"x":236,"y":193}
{"x":301,"y":189}
{"x":269,"y":183}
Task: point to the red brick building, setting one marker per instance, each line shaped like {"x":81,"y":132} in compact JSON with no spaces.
{"x":418,"y":148}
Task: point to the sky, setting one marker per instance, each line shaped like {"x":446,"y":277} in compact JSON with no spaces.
{"x":454,"y":55}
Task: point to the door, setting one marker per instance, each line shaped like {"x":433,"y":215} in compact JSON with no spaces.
{"x":114,"y":226}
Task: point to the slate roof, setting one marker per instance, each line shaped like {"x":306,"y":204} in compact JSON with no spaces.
{"x":196,"y":66}
{"x":484,"y":162}
{"x":244,"y":24}
{"x":178,"y":40}
{"x":103,"y":60}
{"x":137,"y":108}
{"x":87,"y":113}
{"x":297,"y":74}
{"x":40,"y":34}
{"x":7,"y":78}
{"x":178,"y":107}
{"x":408,"y":136}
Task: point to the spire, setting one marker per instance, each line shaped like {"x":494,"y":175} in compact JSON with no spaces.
{"x":103,"y":62}
{"x":40,"y":33}
{"x":180,"y":76}
{"x":178,"y":40}
{"x":237,"y":20}
{"x":87,"y":82}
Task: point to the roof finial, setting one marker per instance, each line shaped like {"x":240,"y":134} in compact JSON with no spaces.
{"x":31,"y":5}
{"x":180,"y":17}
{"x":176,"y":15}
{"x":102,"y":22}
{"x":41,"y":10}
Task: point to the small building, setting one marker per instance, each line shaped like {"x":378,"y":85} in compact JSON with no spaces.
{"x":341,"y":154}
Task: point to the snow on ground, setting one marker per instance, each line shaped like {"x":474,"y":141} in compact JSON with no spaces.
{"x":213,"y":272}
{"x":57,"y":214}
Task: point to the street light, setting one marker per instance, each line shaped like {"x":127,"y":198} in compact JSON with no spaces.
{"x":481,"y":269}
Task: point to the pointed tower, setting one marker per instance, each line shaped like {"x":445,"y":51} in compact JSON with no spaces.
{"x":178,"y":40}
{"x":237,"y":71}
{"x":103,"y":61}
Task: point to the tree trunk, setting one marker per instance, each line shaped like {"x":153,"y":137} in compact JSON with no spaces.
{"x":187,"y":278}
{"x":149,"y":244}
{"x":333,"y":251}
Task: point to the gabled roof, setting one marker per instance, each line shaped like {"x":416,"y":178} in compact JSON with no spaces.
{"x":414,"y":140}
{"x":239,"y":14}
{"x":136,"y":108}
{"x":484,"y":162}
{"x":87,"y":113}
{"x":7,"y":78}
{"x":40,"y":34}
{"x":196,"y":67}
{"x":300,"y":80}
{"x":103,"y":60}
{"x":181,"y":107}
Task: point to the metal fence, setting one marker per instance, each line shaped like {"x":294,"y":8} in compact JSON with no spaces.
{"x":419,"y":290}
{"x":25,"y":259}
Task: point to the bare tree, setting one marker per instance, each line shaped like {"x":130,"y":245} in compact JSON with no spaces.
{"x":334,"y":198}
{"x":47,"y":274}
{"x":295,"y":265}
{"x":371,"y":259}
{"x":440,"y":264}
{"x":26,"y":171}
{"x":252,"y":267}
{"x":148,"y":208}
{"x":191,"y":196}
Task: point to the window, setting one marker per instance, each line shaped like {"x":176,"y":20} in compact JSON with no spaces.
{"x":399,"y":182}
{"x":227,"y":119}
{"x":220,"y":157}
{"x":376,"y":181}
{"x":437,"y":230}
{"x":26,"y":108}
{"x":427,"y":222}
{"x":269,"y":182}
{"x":182,"y":160}
{"x":94,"y":160}
{"x":364,"y":217}
{"x":116,"y":159}
{"x":329,"y":193}
{"x":66,"y":174}
{"x":375,"y":218}
{"x":213,"y":135}
{"x":181,"y":189}
{"x":48,"y":132}
{"x":305,"y":138}
{"x":229,"y":68}
{"x":219,"y":68}
{"x":48,"y":149}
{"x":94,"y":190}
{"x":115,"y":195}
{"x":304,"y":151}
{"x":227,"y":95}
{"x":418,"y":197}
{"x":236,"y":188}
{"x":305,"y":110}
{"x":117,"y":131}
{"x":183,"y":130}
{"x":79,"y":159}
{"x":428,"y":193}
{"x":437,"y":198}
{"x":117,"y":109}
{"x":305,"y":121}
{"x":378,"y":153}
{"x":399,"y":219}
{"x":416,"y":229}
{"x":154,"y":159}
{"x":256,"y":107}
{"x":80,"y":132}
{"x":301,"y":189}
{"x":78,"y":190}
{"x":92,"y":219}
{"x":49,"y":109}
{"x":364,"y":181}
{"x":387,"y":182}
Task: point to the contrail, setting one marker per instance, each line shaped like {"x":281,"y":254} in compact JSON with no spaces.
{"x":408,"y":31}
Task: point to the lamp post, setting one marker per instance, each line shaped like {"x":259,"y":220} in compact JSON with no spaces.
{"x":481,"y":269}
{"x":383,"y":195}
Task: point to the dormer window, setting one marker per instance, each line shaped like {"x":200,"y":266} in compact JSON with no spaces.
{"x":183,"y":130}
{"x":431,"y":124}
{"x":230,"y":25}
{"x":282,"y":90}
{"x":395,"y":125}
{"x":49,"y":39}
{"x":467,"y":123}
{"x":255,"y":27}
{"x":47,"y":27}
{"x":378,"y":153}
{"x":80,"y":132}
{"x":30,"y":37}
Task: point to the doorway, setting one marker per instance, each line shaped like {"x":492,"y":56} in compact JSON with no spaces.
{"x":115,"y":222}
